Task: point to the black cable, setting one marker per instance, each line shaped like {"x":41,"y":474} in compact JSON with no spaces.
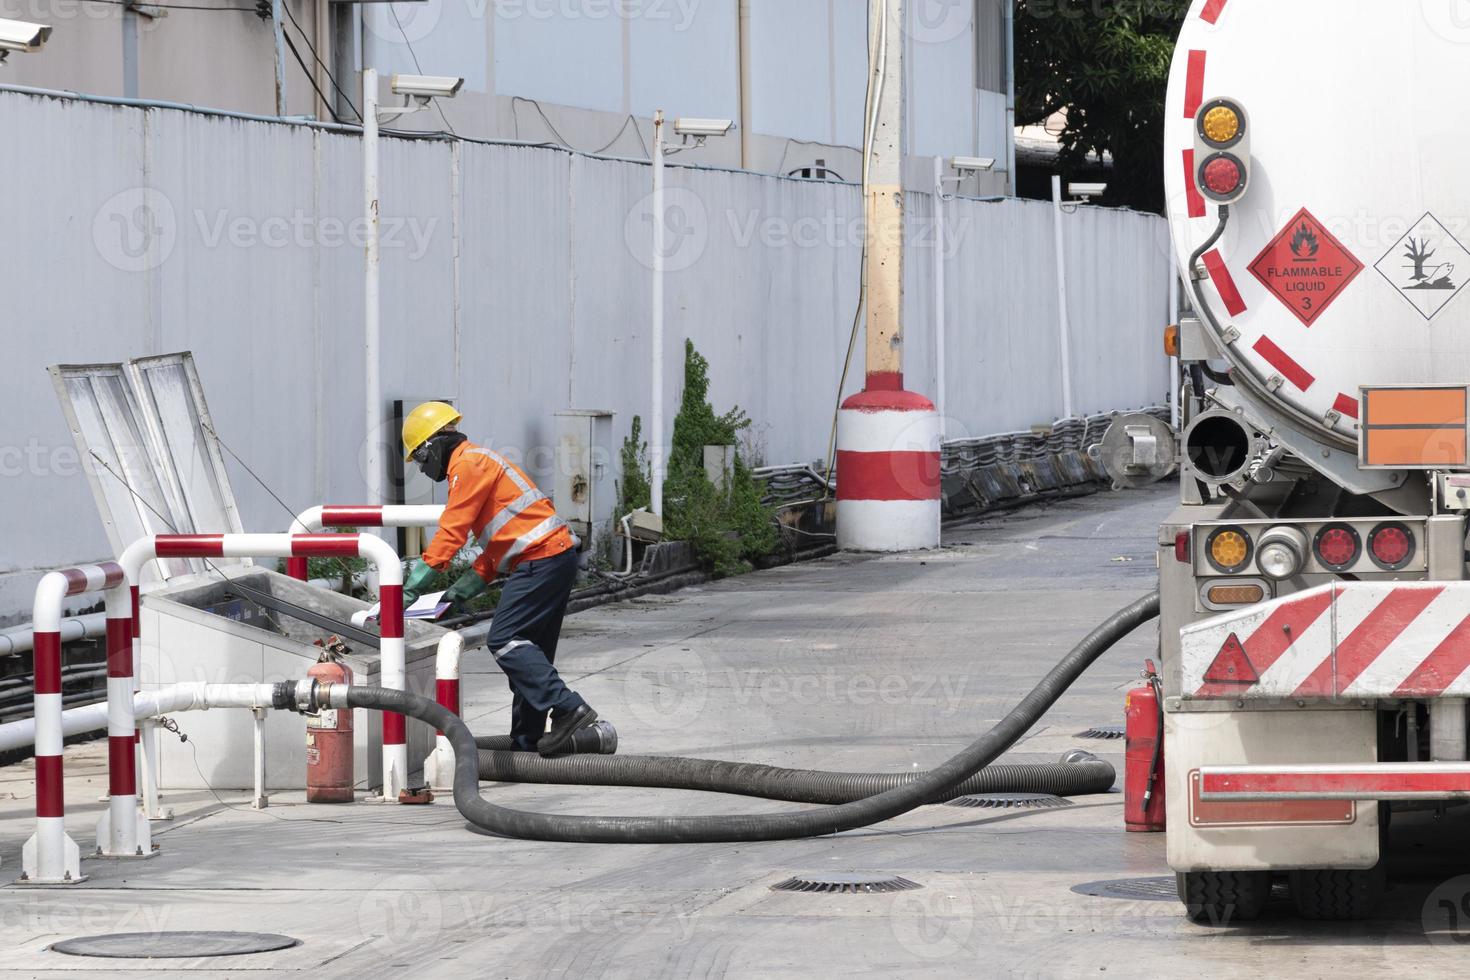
{"x":309,"y":76}
{"x":325,"y":67}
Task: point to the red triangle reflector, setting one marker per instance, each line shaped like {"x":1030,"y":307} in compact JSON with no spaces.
{"x":1231,"y":665}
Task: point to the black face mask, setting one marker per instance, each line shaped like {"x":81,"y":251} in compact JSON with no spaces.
{"x":433,"y":455}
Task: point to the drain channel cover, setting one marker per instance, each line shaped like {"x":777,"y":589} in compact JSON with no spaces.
{"x":1011,"y":801}
{"x":1135,"y":889}
{"x":845,"y":884}
{"x":1103,"y":731}
{"x":174,"y":945}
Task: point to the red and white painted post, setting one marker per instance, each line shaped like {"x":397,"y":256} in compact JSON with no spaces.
{"x":888,"y":440}
{"x":315,"y":519}
{"x":119,"y":836}
{"x":51,"y":857}
{"x":439,"y":766}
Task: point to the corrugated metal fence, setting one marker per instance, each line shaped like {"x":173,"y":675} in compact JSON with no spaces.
{"x":515,"y":280}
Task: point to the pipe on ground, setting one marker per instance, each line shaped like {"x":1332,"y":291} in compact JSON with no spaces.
{"x":934,"y":784}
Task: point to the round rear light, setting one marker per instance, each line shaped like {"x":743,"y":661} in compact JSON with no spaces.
{"x":1281,"y":552}
{"x":1391,"y":546}
{"x":1338,"y":547}
{"x":1222,"y":175}
{"x":1229,"y":549}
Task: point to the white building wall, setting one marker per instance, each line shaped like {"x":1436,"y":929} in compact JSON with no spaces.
{"x":519,"y":288}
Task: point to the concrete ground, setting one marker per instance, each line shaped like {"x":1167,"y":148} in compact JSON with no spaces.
{"x":846,"y":663}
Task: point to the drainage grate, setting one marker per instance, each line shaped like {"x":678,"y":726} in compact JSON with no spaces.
{"x":174,"y":945}
{"x":845,"y":884}
{"x":1107,"y":732}
{"x":1011,"y":801}
{"x":1134,"y":889}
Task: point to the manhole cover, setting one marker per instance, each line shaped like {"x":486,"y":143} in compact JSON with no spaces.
{"x":1010,"y":801}
{"x":174,"y":945}
{"x":1108,"y":732}
{"x":845,"y":884}
{"x":1135,"y":889}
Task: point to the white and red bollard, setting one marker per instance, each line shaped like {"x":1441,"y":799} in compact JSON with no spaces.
{"x":888,"y":447}
{"x":359,"y":515}
{"x":51,"y":857}
{"x":439,"y":766}
{"x":121,"y":837}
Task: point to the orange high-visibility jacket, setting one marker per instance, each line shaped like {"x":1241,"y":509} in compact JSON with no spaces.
{"x":492,"y":498}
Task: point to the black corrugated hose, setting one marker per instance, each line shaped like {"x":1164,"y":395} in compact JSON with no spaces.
{"x":1078,"y":773}
{"x":936,"y":784}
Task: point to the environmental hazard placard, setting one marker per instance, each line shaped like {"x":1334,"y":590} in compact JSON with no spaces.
{"x":1306,"y":267}
{"x":1428,"y":266}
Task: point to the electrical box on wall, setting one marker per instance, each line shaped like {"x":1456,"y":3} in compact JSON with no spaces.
{"x":585,"y":491}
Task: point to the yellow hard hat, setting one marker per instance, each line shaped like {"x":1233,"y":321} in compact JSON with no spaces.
{"x":423,"y":422}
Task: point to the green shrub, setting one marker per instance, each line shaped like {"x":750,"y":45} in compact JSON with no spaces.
{"x":727,"y":528}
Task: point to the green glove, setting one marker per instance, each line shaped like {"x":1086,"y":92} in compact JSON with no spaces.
{"x":465,"y":588}
{"x":419,"y":577}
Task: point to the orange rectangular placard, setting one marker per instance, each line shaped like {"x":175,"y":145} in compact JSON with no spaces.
{"x":1414,"y":427}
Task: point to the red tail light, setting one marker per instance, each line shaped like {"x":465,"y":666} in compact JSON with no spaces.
{"x":1181,"y":547}
{"x":1391,"y":545}
{"x":1338,"y":547}
{"x":1222,"y":174}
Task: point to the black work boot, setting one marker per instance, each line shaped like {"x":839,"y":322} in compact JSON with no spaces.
{"x":559,"y":739}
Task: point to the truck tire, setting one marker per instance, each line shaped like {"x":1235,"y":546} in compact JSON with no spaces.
{"x":1220,"y":898}
{"x":1337,"y":894}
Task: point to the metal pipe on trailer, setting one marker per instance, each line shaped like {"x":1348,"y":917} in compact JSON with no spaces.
{"x":123,"y":831}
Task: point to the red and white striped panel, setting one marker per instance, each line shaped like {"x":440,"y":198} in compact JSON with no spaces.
{"x":1341,"y":641}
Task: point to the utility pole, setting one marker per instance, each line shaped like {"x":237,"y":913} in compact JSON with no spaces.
{"x":888,"y":442}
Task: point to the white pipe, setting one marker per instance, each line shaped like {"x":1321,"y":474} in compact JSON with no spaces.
{"x":656,"y":341}
{"x":939,"y":291}
{"x":372,"y":271}
{"x":20,"y":639}
{"x":1064,"y":321}
{"x":146,"y":704}
{"x":1010,"y":29}
{"x":278,"y":29}
{"x":1447,"y":730}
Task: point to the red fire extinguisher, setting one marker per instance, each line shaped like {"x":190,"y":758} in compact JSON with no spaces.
{"x":329,"y":740}
{"x":1143,"y":779}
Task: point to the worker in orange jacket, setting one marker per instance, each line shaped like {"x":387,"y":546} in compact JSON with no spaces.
{"x":522,"y":537}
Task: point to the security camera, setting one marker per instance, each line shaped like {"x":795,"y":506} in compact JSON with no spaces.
{"x":1086,"y":191}
{"x":972,"y":165}
{"x":17,"y":35}
{"x":427,"y":86}
{"x":703,"y":127}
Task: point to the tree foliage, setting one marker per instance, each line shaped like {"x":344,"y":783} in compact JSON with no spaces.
{"x":1106,"y":63}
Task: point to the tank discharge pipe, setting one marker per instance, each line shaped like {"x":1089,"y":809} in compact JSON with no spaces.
{"x":890,"y":802}
{"x":121,"y":832}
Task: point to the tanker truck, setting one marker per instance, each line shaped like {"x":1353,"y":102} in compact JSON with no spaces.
{"x":1315,"y":613}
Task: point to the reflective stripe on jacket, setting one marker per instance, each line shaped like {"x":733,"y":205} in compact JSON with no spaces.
{"x":493,"y":499}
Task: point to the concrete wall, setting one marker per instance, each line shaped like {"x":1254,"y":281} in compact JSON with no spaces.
{"x":568,"y":72}
{"x":515,"y":280}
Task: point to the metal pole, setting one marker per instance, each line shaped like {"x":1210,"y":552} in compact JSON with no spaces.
{"x":940,"y":246}
{"x":1064,"y":322}
{"x":1010,"y":29}
{"x":1174,"y":381}
{"x":656,"y":424}
{"x":279,"y":30}
{"x":374,"y":397}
